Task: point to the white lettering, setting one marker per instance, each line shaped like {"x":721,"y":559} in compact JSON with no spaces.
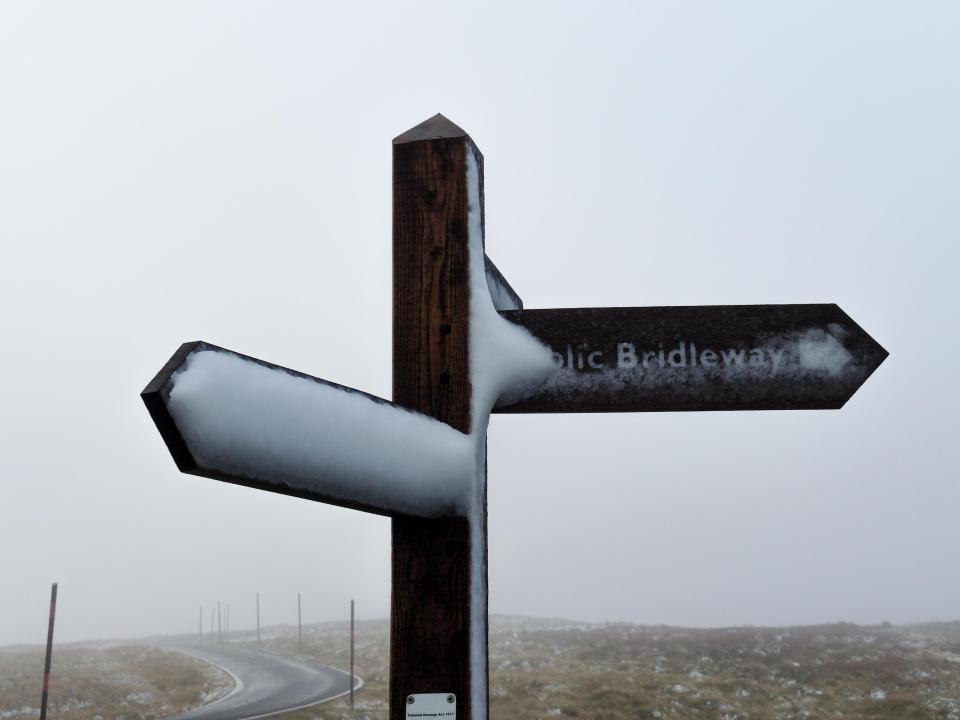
{"x":730,"y":356}
{"x":678,"y":357}
{"x":777,"y":357}
{"x":626,"y":355}
{"x":684,"y":354}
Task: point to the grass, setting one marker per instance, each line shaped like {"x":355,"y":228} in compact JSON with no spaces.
{"x":542,"y":669}
{"x":100,"y":682}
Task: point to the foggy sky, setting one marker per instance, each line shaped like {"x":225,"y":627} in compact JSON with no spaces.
{"x":221,"y":171}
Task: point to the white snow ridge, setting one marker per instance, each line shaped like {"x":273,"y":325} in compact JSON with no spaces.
{"x":254,"y":421}
{"x":506,"y":361}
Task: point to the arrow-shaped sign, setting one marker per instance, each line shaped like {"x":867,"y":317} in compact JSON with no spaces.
{"x":245,"y":421}
{"x":235,"y":418}
{"x":723,"y":357}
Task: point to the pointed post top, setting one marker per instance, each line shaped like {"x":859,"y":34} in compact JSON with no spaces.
{"x":434,"y":128}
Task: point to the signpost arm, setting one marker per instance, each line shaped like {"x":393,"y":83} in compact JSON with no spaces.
{"x":432,"y":598}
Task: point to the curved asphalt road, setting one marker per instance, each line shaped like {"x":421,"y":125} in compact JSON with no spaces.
{"x":266,"y":683}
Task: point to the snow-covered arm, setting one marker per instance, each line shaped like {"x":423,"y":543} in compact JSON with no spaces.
{"x":234,"y":418}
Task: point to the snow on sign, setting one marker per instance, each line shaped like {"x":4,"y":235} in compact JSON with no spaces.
{"x":463,"y":347}
{"x":735,"y":357}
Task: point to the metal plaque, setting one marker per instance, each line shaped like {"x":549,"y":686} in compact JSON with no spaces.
{"x":432,"y":705}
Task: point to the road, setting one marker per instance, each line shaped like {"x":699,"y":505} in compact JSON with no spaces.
{"x":266,"y":684}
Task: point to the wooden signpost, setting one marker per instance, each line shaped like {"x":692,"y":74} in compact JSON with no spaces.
{"x":228,"y":417}
{"x":721,"y":357}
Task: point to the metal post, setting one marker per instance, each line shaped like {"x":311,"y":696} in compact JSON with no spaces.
{"x":49,"y":657}
{"x":351,"y":655}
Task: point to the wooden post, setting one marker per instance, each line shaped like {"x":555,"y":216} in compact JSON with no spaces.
{"x":438,"y":635}
{"x":432,"y":603}
{"x":48,"y":659}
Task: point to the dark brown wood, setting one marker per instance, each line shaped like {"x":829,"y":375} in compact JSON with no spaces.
{"x":48,"y":656}
{"x":723,"y":357}
{"x":430,"y":639}
{"x":155,"y":396}
{"x":431,"y":300}
{"x":157,"y":393}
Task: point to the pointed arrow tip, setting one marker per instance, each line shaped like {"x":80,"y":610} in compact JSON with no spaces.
{"x":434,"y":128}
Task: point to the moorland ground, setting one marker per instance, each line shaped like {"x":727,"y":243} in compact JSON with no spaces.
{"x":106,"y":681}
{"x":556,"y":668}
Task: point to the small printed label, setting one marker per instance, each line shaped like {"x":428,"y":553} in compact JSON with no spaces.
{"x":432,"y":705}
